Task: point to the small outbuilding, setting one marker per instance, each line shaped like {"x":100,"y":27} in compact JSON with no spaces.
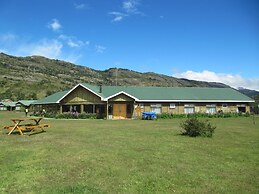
{"x":21,"y":105}
{"x":9,"y":106}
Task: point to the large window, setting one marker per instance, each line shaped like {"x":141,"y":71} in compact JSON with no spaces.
{"x":172,"y":106}
{"x":211,"y":109}
{"x":99,"y":109}
{"x":241,"y":108}
{"x":71,"y":108}
{"x":89,"y":108}
{"x":189,"y":109}
{"x":157,"y":108}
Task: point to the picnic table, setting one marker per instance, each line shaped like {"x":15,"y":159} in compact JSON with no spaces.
{"x":26,"y":124}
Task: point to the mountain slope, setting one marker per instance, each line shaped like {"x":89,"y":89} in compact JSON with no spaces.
{"x":36,"y":76}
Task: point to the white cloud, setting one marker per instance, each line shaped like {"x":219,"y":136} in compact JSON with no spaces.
{"x":118,"y":16}
{"x":73,"y":42}
{"x":7,"y":38}
{"x":79,"y":6}
{"x":99,"y":49}
{"x":62,"y":47}
{"x":233,"y":80}
{"x":47,"y":48}
{"x":3,"y":51}
{"x":129,"y":7}
{"x":55,"y":25}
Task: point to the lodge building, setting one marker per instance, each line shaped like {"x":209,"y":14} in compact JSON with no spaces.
{"x":118,"y":102}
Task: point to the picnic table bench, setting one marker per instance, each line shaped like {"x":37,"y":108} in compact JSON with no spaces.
{"x":27,"y":126}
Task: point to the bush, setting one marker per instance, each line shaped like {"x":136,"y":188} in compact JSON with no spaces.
{"x":201,"y":115}
{"x":194,"y":127}
{"x":170,"y":116}
{"x":76,"y":115}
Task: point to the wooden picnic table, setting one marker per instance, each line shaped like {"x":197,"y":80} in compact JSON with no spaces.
{"x":29,"y":124}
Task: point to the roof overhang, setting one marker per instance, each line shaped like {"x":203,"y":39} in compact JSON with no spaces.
{"x":35,"y":103}
{"x":119,"y":93}
{"x":226,"y":101}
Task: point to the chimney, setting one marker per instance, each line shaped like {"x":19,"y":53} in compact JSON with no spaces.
{"x":100,"y":89}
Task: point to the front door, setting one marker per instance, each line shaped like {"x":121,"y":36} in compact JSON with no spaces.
{"x":119,"y":111}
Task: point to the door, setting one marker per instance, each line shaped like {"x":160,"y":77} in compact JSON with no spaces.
{"x":119,"y":111}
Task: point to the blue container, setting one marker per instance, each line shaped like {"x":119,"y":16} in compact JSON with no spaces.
{"x":149,"y":115}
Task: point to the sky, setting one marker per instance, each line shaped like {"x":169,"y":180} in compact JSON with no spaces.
{"x":207,"y":40}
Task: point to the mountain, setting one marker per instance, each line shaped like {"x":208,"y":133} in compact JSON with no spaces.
{"x":250,"y":93}
{"x":34,"y":77}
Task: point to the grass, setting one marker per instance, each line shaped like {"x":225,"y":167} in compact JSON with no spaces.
{"x":132,"y":156}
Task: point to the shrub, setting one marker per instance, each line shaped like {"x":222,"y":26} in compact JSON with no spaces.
{"x":76,"y":115}
{"x":194,"y":127}
{"x":170,"y":116}
{"x":201,"y":115}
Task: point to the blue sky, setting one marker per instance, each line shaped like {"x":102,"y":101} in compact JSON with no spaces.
{"x":211,"y":40}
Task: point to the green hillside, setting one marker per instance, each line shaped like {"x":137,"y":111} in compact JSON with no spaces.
{"x":35,"y":77}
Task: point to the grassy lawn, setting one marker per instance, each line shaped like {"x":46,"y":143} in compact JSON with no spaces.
{"x":132,"y":156}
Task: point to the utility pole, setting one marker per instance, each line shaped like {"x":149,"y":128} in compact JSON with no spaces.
{"x":116,"y":75}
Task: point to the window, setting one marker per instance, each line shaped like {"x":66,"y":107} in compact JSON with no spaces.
{"x":65,"y":108}
{"x":110,"y":109}
{"x":157,"y":108}
{"x":224,"y":105}
{"x":241,"y":108}
{"x":129,"y":108}
{"x":99,"y":109}
{"x":71,"y":108}
{"x":189,"y":109}
{"x":211,"y":109}
{"x":141,"y":105}
{"x":172,"y":105}
{"x":75,"y":108}
{"x":89,"y":108}
{"x":18,"y":107}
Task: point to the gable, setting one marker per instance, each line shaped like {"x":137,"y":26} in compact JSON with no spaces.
{"x":121,"y":98}
{"x":81,"y":95}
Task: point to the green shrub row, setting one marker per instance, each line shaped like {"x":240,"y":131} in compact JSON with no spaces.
{"x":75,"y":115}
{"x":66,"y":115}
{"x":201,"y":115}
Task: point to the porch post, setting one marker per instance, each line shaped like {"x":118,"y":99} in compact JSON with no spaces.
{"x":107,"y":110}
{"x":93,"y":108}
{"x":60,"y":109}
{"x":81,"y":108}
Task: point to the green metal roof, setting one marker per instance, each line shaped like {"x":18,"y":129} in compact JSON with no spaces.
{"x":158,"y":94}
{"x":52,"y":99}
{"x":26,"y":102}
{"x":7,"y":104}
{"x":174,"y":93}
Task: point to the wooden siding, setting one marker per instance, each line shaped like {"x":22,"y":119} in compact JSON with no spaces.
{"x":121,"y":98}
{"x":199,"y":107}
{"x":81,"y":96}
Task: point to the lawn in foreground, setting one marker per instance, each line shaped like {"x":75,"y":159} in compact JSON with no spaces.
{"x":132,"y":156}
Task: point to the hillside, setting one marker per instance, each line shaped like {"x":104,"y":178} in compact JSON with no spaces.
{"x":35,"y":77}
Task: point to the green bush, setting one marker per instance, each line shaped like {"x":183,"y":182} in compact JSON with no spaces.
{"x":171,"y":116}
{"x":201,"y":115}
{"x":76,"y":115}
{"x":194,"y":127}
